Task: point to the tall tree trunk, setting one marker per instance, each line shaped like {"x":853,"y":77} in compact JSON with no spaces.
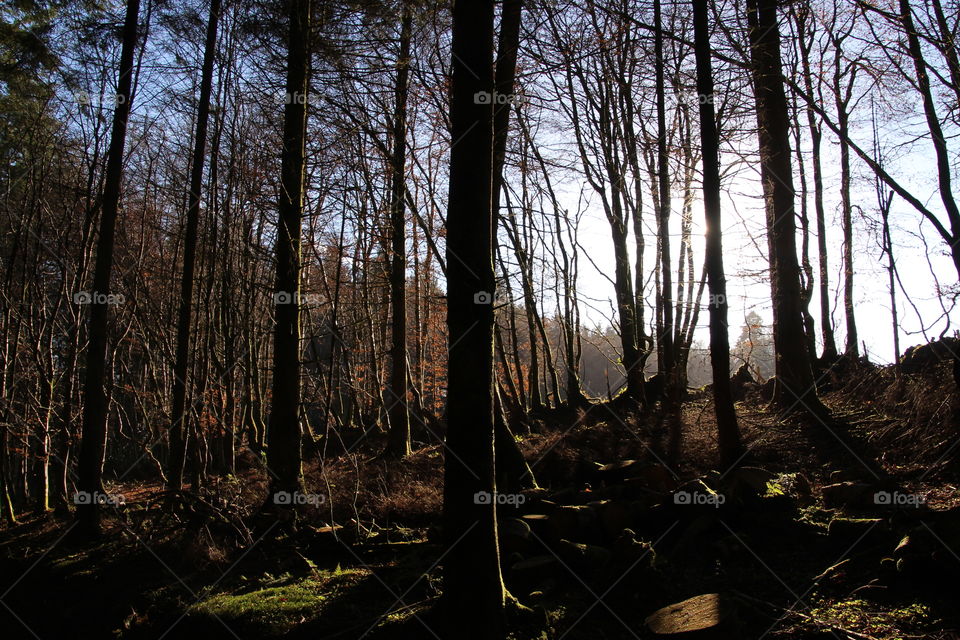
{"x":398,"y":442}
{"x":180,"y":415}
{"x":283,"y":432}
{"x":806,"y":269}
{"x":669,"y":369}
{"x":7,"y":513}
{"x":93,"y":446}
{"x":852,"y":347}
{"x":795,"y":387}
{"x":728,"y":431}
{"x":884,"y":202}
{"x":473,"y":594}
{"x":505,"y":445}
{"x":663,"y":208}
{"x":805,"y":26}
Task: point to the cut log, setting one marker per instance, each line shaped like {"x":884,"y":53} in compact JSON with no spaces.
{"x":697,"y":617}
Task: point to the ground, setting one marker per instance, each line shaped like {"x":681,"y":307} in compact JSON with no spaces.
{"x":846,"y":530}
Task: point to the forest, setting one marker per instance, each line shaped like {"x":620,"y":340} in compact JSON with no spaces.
{"x":479,"y":319}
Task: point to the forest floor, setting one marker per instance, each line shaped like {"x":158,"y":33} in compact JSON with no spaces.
{"x":847,"y":530}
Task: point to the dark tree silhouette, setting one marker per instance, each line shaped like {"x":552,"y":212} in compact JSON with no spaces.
{"x":179,"y":415}
{"x":795,"y":388}
{"x":473,"y":594}
{"x":728,"y":431}
{"x":284,"y":433}
{"x":93,"y":446}
{"x":399,"y":437}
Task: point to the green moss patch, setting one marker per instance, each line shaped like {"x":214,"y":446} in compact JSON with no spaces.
{"x":272,"y":611}
{"x":865,"y":617}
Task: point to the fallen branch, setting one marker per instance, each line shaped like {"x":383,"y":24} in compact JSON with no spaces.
{"x":817,"y":621}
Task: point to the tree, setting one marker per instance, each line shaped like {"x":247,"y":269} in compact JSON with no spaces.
{"x":805,"y":34}
{"x":666,"y":334}
{"x":399,"y":436}
{"x":795,"y":387}
{"x":843,"y":83}
{"x":728,"y":431}
{"x":593,"y":90}
{"x":284,"y":456}
{"x":514,"y":470}
{"x":93,"y":446}
{"x":944,"y":175}
{"x":473,"y":593}
{"x":179,"y":415}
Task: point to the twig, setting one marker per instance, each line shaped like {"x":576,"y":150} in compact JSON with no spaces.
{"x":809,"y":618}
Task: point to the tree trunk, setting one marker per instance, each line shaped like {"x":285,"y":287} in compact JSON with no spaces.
{"x":663,"y":208}
{"x":473,"y":593}
{"x":398,"y":442}
{"x":180,"y":415}
{"x":804,"y":23}
{"x":93,"y":445}
{"x":806,"y":282}
{"x":505,"y":445}
{"x":284,"y":434}
{"x":728,"y":431}
{"x":795,"y":387}
{"x":852,"y":347}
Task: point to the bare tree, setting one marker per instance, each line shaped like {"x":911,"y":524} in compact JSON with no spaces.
{"x":727,"y":429}
{"x":399,"y":437}
{"x":179,"y":415}
{"x":474,"y":594}
{"x":795,"y":387}
{"x":93,"y":445}
{"x":284,"y":430}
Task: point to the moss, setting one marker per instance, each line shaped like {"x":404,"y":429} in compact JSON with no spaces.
{"x":272,"y":611}
{"x":816,"y":515}
{"x":863,"y":616}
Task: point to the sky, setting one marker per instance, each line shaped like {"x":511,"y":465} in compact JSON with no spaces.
{"x":745,"y":254}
